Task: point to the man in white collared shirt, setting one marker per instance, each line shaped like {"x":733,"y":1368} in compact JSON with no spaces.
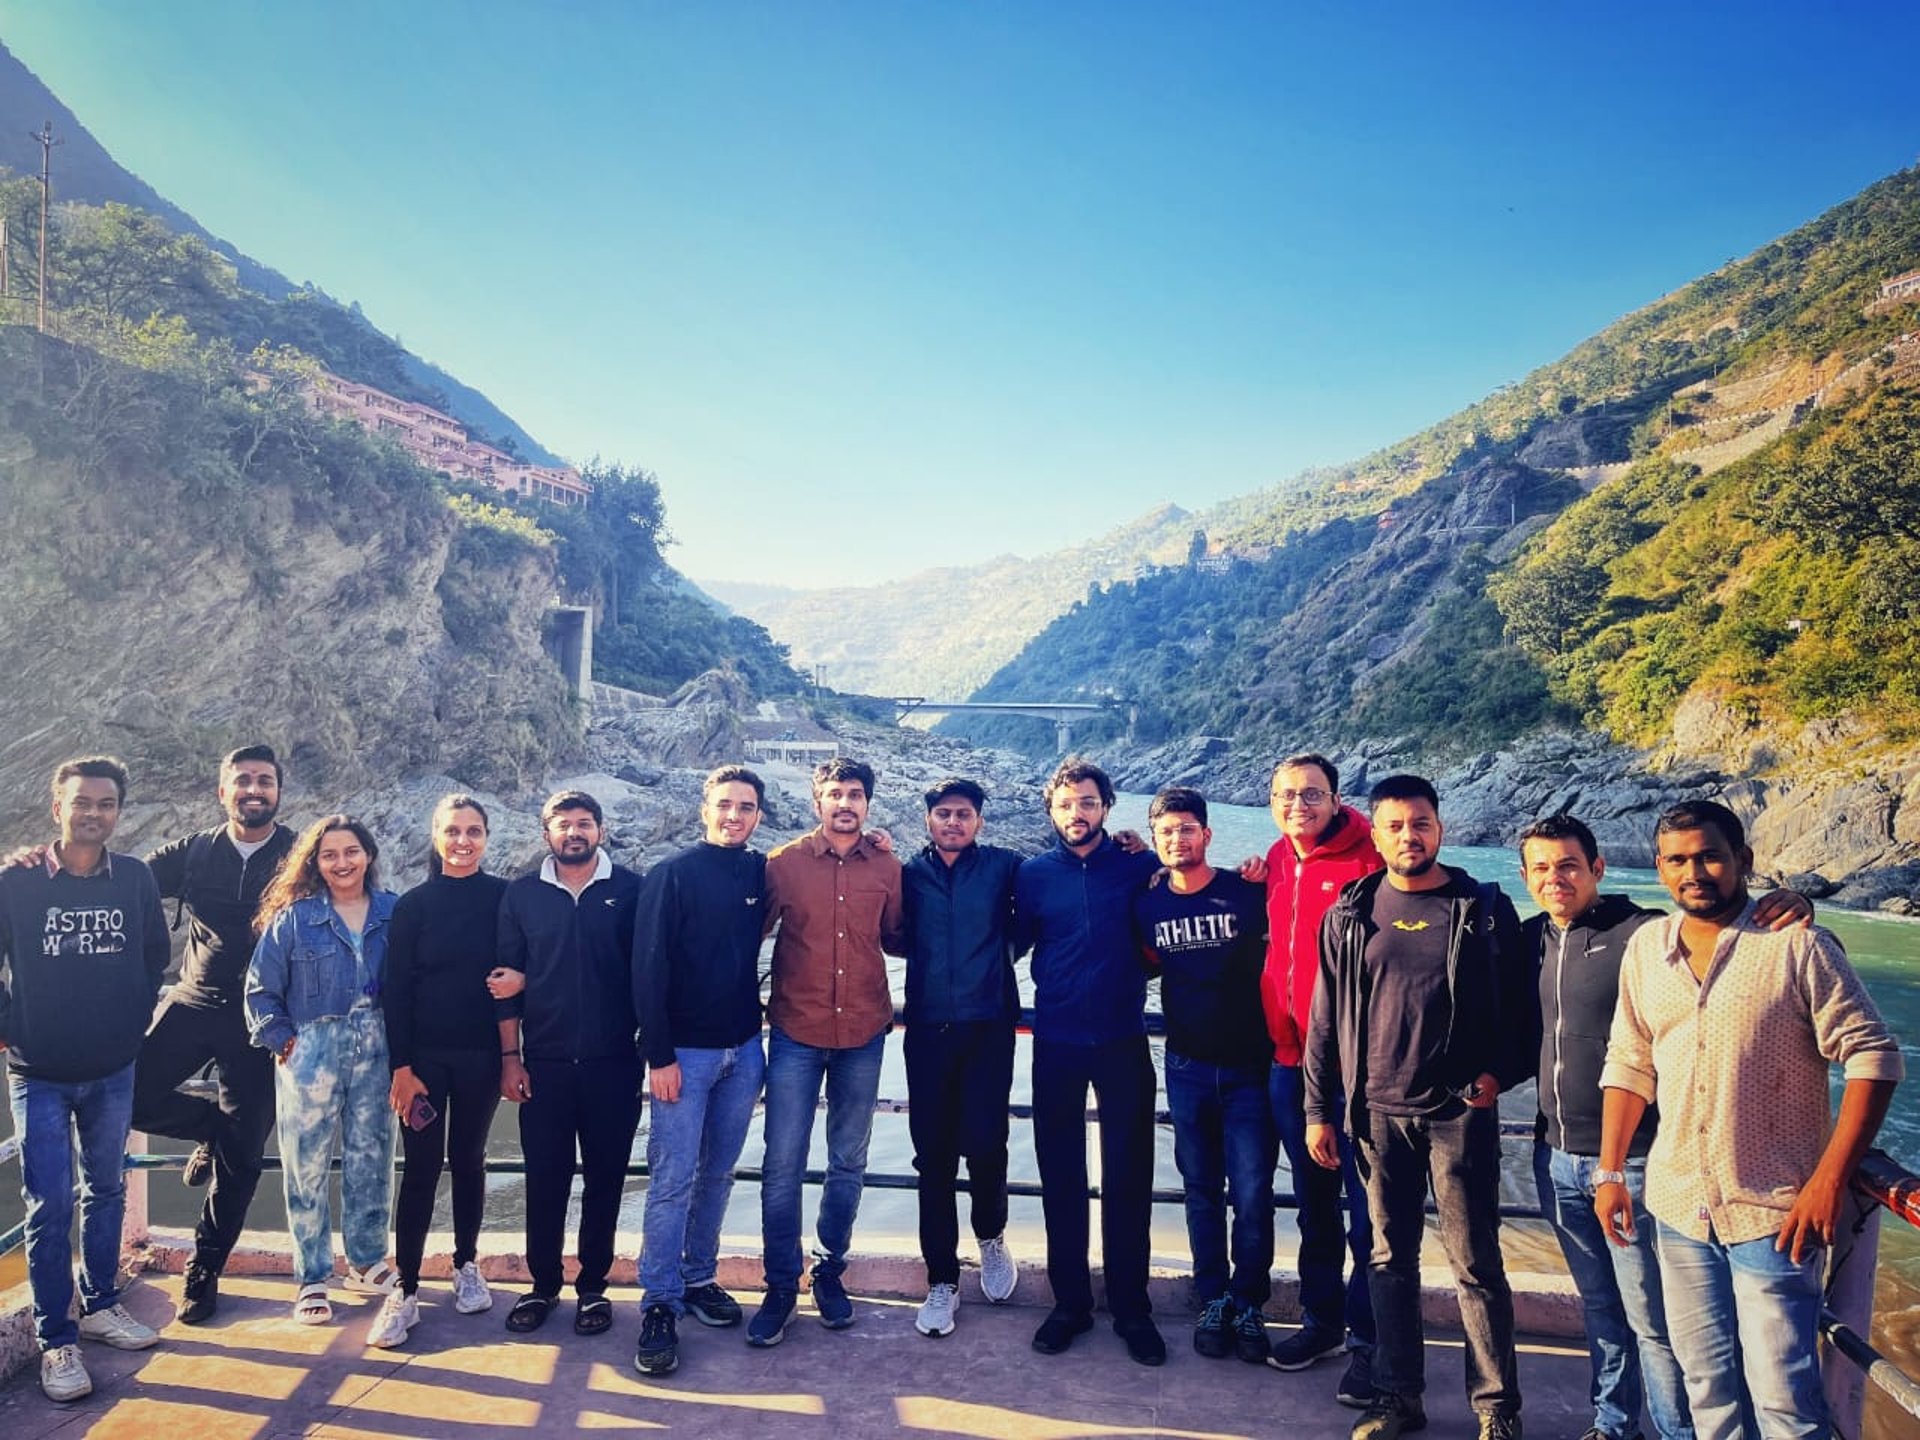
{"x":1733,"y":1028}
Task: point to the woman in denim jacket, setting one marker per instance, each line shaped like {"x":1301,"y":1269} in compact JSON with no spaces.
{"x":313,"y":1000}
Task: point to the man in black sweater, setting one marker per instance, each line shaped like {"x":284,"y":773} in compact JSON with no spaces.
{"x":216,"y":879}
{"x":568,"y":1052}
{"x":83,"y":944}
{"x":696,"y":988}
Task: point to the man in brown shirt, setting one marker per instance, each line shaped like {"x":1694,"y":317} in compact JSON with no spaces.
{"x":1733,"y":1028}
{"x":835,"y":897}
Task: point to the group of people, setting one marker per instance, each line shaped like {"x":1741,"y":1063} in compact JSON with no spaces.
{"x":1347,"y":999}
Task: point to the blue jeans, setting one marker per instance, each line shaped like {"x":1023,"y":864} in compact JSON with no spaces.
{"x":1225,"y":1147}
{"x":1326,"y":1303}
{"x":692,"y":1146}
{"x":335,"y":1084}
{"x":48,"y":1115}
{"x":1744,"y":1321}
{"x":1620,"y":1294}
{"x":794,"y":1075}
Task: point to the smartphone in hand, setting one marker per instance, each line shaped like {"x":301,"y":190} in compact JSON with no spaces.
{"x":421,"y":1114}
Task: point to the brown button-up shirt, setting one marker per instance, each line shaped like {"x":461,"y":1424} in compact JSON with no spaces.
{"x":836,"y":916}
{"x":1739,"y":1065}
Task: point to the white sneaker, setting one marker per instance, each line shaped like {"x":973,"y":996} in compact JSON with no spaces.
{"x":379,"y":1278}
{"x":470,"y":1293}
{"x":936,"y":1311}
{"x":116,"y":1327}
{"x":62,"y":1375}
{"x":399,"y":1313}
{"x":998,"y":1274}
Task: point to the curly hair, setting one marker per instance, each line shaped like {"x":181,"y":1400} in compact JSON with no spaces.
{"x":299,"y":874}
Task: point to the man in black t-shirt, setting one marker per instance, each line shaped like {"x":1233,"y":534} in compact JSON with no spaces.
{"x":1205,"y":932}
{"x":1424,"y":1012}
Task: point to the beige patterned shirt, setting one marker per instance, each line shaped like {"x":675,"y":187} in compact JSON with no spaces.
{"x":1739,"y":1064}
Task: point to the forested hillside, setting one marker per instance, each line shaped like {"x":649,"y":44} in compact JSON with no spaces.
{"x":1716,"y":495}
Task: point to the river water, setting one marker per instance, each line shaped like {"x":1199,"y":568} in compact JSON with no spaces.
{"x":1884,"y":949}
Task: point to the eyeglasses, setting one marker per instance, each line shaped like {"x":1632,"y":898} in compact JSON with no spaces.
{"x":1314,"y":795}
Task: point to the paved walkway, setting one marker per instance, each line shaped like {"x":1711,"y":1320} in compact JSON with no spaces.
{"x":255,"y":1374}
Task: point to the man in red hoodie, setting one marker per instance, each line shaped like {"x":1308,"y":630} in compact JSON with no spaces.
{"x":1323,"y":845}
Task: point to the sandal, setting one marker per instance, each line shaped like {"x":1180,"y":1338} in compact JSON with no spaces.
{"x":593,"y":1315}
{"x":311,"y":1306}
{"x":530,"y":1312}
{"x":379,"y":1278}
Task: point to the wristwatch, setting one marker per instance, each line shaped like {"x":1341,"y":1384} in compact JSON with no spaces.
{"x":1609,"y":1177}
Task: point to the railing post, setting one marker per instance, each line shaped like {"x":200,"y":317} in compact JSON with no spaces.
{"x":1851,"y":1271}
{"x":134,"y":1229}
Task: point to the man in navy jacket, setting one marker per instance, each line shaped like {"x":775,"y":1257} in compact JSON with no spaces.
{"x":1073,"y":906}
{"x":961,"y":1005}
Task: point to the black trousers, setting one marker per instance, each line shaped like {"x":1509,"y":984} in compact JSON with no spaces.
{"x":464,"y":1087}
{"x":594,"y":1104}
{"x":959,"y":1077}
{"x":1120,"y":1074}
{"x":182,"y":1039}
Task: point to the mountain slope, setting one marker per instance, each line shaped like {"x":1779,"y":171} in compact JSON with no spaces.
{"x":1450,"y":624}
{"x":85,"y":172}
{"x":942,"y":632}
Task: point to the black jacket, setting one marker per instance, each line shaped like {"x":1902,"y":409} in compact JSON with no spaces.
{"x":960,"y":936}
{"x":1579,"y":987}
{"x":218,"y":892}
{"x":1489,"y":977}
{"x":577,"y":956}
{"x":696,"y":951}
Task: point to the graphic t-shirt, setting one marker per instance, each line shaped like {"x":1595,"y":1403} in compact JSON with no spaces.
{"x":1210,"y":947}
{"x":1410,"y":1014}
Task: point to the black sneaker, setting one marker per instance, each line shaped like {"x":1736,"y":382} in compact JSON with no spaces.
{"x":659,"y":1352}
{"x":1250,"y":1335}
{"x":200,"y":1296}
{"x":1499,"y":1425}
{"x":1057,"y":1332}
{"x":1389,"y":1417}
{"x":711,"y":1305}
{"x":830,"y":1298}
{"x":199,"y":1167}
{"x":1308,"y":1344}
{"x":1142,"y":1339}
{"x":770,"y":1321}
{"x":1355,"y":1390}
{"x":1212,"y":1333}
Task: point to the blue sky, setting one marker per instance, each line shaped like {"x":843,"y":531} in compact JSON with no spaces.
{"x":874,"y":286}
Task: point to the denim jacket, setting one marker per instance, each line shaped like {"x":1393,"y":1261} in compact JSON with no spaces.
{"x":303,"y":968}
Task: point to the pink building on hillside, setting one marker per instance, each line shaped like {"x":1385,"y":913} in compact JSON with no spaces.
{"x":440,"y":442}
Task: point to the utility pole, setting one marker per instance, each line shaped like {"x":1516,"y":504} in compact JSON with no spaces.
{"x":46,"y":142}
{"x":6,"y":289}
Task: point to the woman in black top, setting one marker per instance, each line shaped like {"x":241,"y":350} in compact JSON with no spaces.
{"x":444,"y":1046}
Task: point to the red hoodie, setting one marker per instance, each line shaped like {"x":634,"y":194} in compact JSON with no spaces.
{"x":1300,"y":891}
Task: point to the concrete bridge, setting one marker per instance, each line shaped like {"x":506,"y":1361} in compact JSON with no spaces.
{"x":1063,"y":713}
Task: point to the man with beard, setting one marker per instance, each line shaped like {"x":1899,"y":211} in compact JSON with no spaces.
{"x":696,"y":987}
{"x":83,"y":943}
{"x":1424,"y":1012}
{"x":835,"y":896}
{"x":1073,"y":907}
{"x":568,"y":1054}
{"x":1736,"y":1026}
{"x":962,"y":1001}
